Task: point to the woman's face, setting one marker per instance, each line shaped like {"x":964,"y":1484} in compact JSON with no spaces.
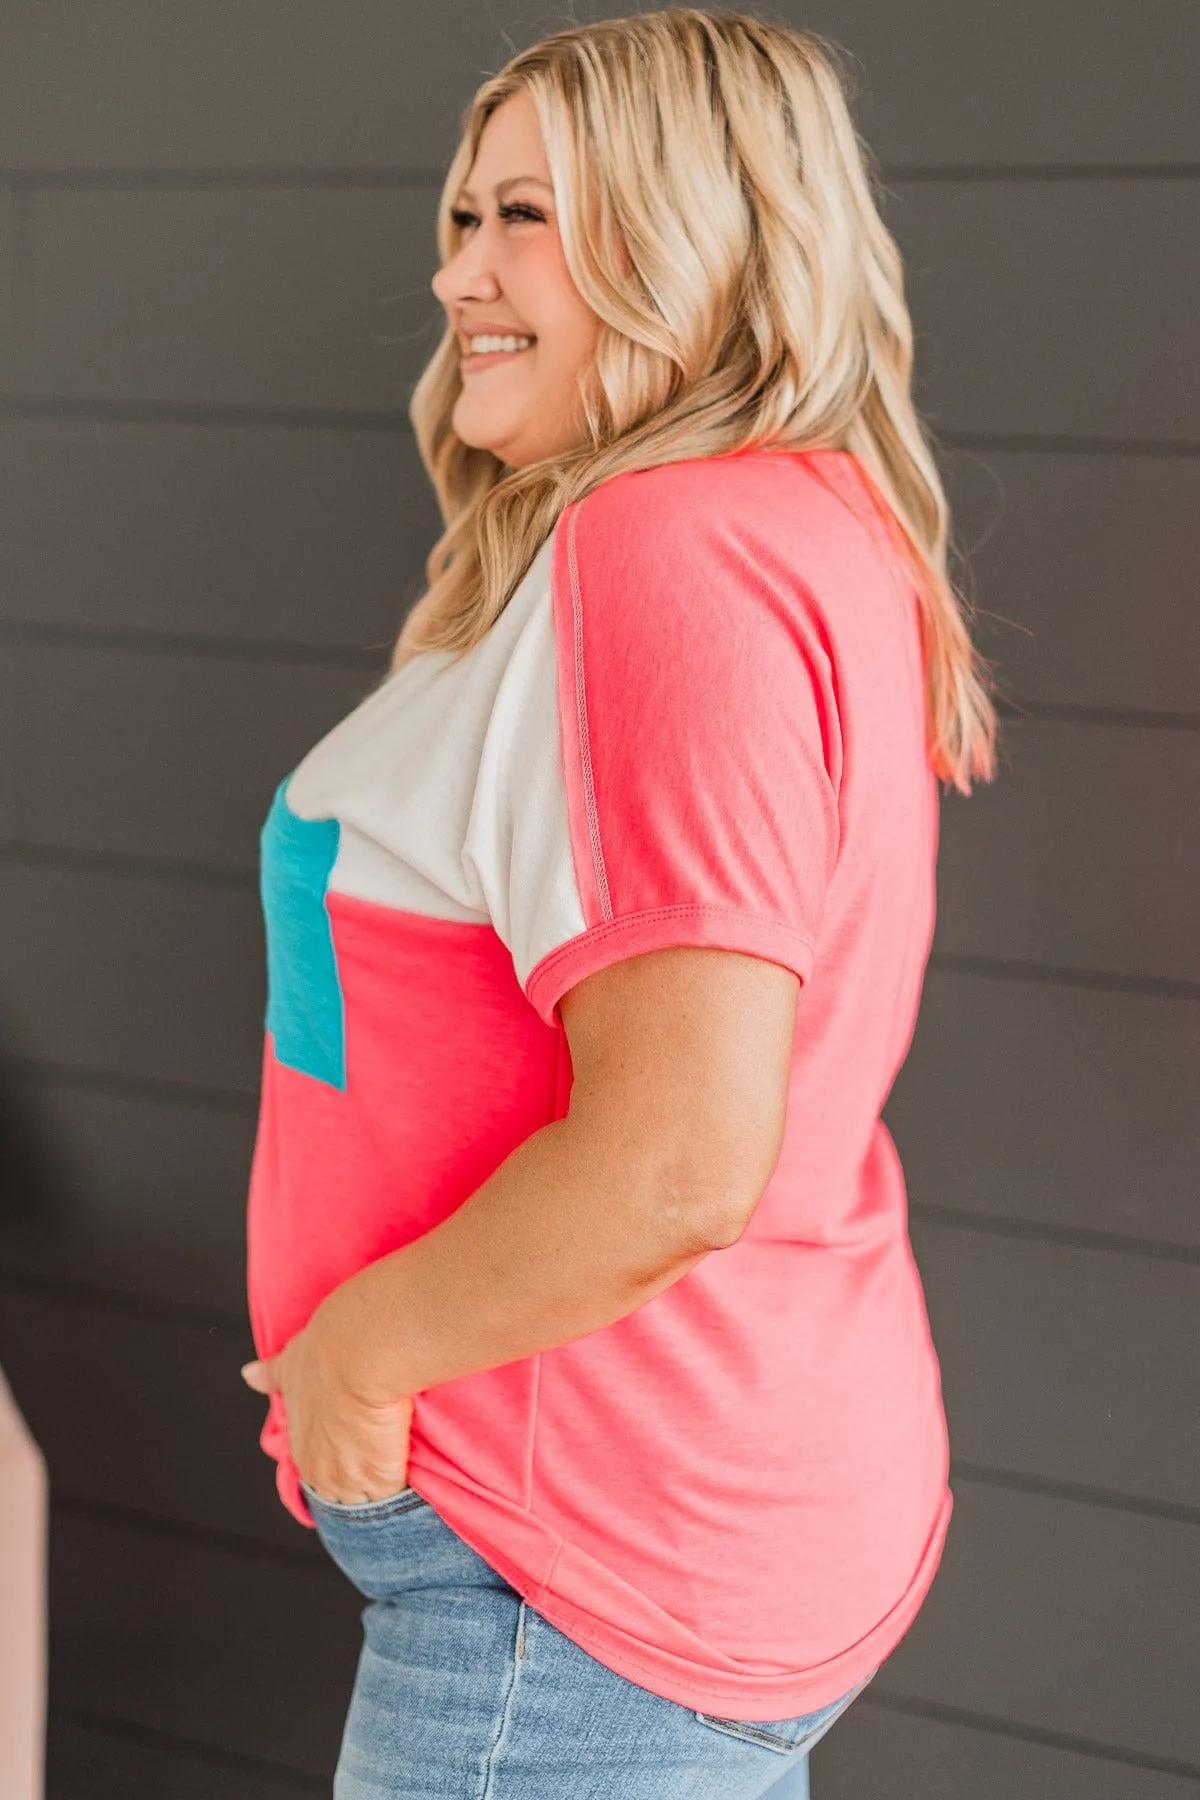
{"x":509,"y":278}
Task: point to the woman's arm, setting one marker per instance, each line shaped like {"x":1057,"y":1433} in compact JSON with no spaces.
{"x":680,"y":1060}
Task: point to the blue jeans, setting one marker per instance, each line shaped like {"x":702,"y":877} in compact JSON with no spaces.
{"x":464,"y":1692}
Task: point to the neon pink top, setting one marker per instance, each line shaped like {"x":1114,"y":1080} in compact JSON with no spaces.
{"x":698,"y":720}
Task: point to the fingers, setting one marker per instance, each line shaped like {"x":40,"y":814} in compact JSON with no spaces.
{"x":261,"y":1376}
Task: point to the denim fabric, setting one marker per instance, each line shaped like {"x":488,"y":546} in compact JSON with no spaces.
{"x":464,"y":1692}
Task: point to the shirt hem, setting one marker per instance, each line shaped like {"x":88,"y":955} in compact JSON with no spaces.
{"x":659,"y":928}
{"x":748,"y":1697}
{"x":755,"y":1698}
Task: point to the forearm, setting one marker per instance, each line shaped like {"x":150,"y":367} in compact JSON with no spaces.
{"x":560,"y":1241}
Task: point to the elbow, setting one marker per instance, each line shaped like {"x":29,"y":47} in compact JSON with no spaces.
{"x":708,"y":1214}
{"x":723,"y":1187}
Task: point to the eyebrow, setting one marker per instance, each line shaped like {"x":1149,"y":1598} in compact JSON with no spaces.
{"x":466,"y":194}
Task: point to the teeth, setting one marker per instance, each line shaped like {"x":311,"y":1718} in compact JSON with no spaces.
{"x":483,"y":344}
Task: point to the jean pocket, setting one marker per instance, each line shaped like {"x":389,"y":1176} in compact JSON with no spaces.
{"x":785,"y":1735}
{"x":403,"y":1501}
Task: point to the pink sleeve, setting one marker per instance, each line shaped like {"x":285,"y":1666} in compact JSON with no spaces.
{"x":700,"y":738}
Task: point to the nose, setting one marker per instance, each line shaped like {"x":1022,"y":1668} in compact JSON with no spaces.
{"x":465,"y":277}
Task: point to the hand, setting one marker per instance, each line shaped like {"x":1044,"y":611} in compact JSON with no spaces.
{"x":347,"y":1447}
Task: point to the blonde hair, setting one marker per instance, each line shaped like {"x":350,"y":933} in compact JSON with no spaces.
{"x":716,"y":211}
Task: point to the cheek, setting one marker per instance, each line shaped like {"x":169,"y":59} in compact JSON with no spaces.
{"x":564,"y":318}
{"x":569,"y":343}
{"x":557,"y":374}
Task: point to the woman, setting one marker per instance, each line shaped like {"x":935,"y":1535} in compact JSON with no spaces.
{"x":578,"y":1258}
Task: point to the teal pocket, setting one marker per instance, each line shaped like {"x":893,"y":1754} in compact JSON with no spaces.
{"x":305,"y":1013}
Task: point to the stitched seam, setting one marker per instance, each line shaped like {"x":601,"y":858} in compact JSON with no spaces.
{"x":696,"y":909}
{"x":822,"y":1721}
{"x":367,"y":1513}
{"x":488,"y":1790}
{"x":585,"y":747}
{"x":545,"y":1587}
{"x":767,"y":1740}
{"x":531,"y":1459}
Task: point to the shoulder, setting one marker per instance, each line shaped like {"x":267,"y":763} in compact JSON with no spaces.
{"x":788,"y":509}
{"x":782,"y":534}
{"x":697,"y":594}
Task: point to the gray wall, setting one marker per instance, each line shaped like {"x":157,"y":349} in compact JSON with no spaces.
{"x":215,"y":251}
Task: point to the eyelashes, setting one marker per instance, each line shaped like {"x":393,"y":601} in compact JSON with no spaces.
{"x":459,"y":216}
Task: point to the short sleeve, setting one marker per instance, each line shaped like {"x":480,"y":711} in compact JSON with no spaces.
{"x":683,"y":785}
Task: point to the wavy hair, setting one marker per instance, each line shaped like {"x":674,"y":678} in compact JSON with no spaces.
{"x":716,"y":210}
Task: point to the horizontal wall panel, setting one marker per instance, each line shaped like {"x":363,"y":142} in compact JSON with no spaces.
{"x":169,"y":756}
{"x":873,"y":1752}
{"x":1085,"y":571}
{"x":239,"y":86}
{"x":1024,"y":83}
{"x":1032,"y":1101}
{"x":165,"y":978}
{"x":246,"y":1656}
{"x":1046,"y":1613}
{"x":126,"y":1191}
{"x":306,"y":537}
{"x":148,"y":1413}
{"x":1066,"y":1106}
{"x":321,"y":538}
{"x":1062,"y":1617}
{"x":144,"y":976}
{"x":1035,"y":1379}
{"x":227,"y":296}
{"x":171,"y":86}
{"x":1072,"y":857}
{"x":1059,"y":1397}
{"x":1079,"y":854}
{"x":9,"y":741}
{"x":88,"y":1763}
{"x":1027,"y":321}
{"x":12,"y":206}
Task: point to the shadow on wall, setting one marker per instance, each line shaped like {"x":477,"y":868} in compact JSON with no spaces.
{"x":35,"y":1180}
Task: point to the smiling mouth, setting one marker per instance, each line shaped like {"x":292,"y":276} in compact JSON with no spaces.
{"x":472,"y":359}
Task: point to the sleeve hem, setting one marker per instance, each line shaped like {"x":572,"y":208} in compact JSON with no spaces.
{"x":721,"y":927}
